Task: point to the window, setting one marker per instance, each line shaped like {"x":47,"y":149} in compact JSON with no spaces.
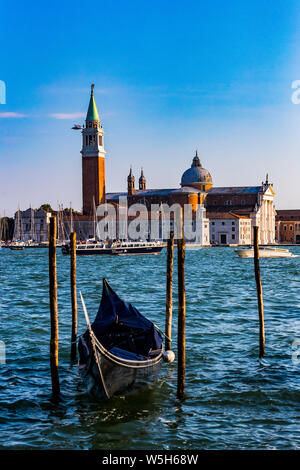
{"x":233,"y":223}
{"x":233,"y":229}
{"x":284,"y":227}
{"x":291,"y":227}
{"x":243,"y":202}
{"x":212,"y":223}
{"x":233,"y":236}
{"x":100,"y":140}
{"x":223,"y":223}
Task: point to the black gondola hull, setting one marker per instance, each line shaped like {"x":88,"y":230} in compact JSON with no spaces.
{"x":119,"y":377}
{"x":121,"y":348}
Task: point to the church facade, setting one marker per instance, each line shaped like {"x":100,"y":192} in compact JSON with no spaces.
{"x":250,"y":205}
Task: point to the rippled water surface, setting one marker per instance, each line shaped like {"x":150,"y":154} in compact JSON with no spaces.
{"x":232,"y":400}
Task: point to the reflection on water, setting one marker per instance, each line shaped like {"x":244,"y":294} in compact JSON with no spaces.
{"x":233,"y":400}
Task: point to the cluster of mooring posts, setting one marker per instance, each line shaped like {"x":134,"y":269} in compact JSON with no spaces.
{"x":169,"y":305}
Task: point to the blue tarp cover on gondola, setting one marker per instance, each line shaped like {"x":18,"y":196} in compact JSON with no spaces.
{"x":114,"y":310}
{"x":122,"y":329}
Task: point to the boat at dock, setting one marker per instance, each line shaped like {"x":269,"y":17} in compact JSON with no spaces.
{"x":17,"y":245}
{"x":93,"y":247}
{"x":137,"y":248}
{"x":89,"y":248}
{"x":264,"y":252}
{"x":121,"y":348}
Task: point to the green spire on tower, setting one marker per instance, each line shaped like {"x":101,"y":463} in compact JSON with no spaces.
{"x":92,"y":114}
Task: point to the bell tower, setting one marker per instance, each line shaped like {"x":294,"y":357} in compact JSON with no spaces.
{"x":93,"y":159}
{"x":130,"y":183}
{"x":142,"y":181}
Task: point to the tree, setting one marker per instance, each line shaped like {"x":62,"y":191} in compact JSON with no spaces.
{"x":46,"y":207}
{"x":7,"y":228}
{"x":67,"y":211}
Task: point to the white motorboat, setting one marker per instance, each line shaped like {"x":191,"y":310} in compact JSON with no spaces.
{"x":264,"y":252}
{"x":88,"y":248}
{"x":136,"y":248}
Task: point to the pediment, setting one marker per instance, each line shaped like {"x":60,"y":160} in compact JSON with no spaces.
{"x":270,"y":191}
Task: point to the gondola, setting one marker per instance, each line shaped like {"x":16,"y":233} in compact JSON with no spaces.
{"x":121,"y":348}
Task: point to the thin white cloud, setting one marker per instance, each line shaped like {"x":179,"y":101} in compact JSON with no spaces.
{"x":7,"y":115}
{"x":67,"y":115}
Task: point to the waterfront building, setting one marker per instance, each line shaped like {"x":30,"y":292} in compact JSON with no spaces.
{"x":255,"y":202}
{"x":193,"y":194}
{"x":227,"y":228}
{"x":287,"y":226}
{"x":196,"y":188}
{"x":32,"y":225}
{"x":231,"y":205}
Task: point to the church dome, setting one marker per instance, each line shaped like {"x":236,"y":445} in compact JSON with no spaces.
{"x":197,"y":176}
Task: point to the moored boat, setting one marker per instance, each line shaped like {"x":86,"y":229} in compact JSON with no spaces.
{"x":264,"y":252}
{"x":115,"y":248}
{"x":17,"y":245}
{"x":94,"y":248}
{"x":137,"y":248}
{"x":120,"y":349}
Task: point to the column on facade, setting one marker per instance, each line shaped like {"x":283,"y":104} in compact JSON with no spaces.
{"x":267,"y":222}
{"x":262,"y":222}
{"x":270,"y":222}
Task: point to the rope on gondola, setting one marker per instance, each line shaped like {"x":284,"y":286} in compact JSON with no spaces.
{"x":112,"y":358}
{"x":166,"y":336}
{"x":93,"y":344}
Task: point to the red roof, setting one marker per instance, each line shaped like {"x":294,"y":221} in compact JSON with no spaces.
{"x":225,"y":215}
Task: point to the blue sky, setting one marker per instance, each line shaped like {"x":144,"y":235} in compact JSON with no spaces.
{"x":170,"y":77}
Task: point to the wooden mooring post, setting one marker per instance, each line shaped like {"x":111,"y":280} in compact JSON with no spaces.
{"x":169,"y":292}
{"x":53,"y":309}
{"x":73,"y":295}
{"x":259,"y":294}
{"x":181,"y":319}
